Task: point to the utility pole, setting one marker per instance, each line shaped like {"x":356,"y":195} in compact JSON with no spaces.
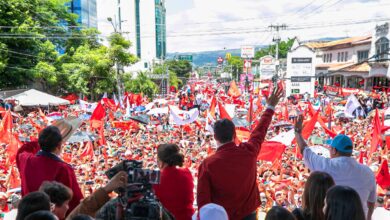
{"x":114,"y":25}
{"x":276,"y":39}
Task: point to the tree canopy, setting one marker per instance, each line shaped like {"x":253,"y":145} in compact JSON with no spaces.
{"x":284,"y":47}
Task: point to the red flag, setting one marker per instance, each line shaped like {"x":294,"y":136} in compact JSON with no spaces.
{"x":88,"y":151}
{"x":328,"y":109}
{"x":271,"y":151}
{"x":376,"y":133}
{"x":328,"y":131}
{"x":362,"y":155}
{"x":6,"y":127}
{"x":306,"y":131}
{"x":242,"y":135}
{"x":388,"y":142}
{"x":222,"y":112}
{"x":102,"y":139}
{"x":13,"y":147}
{"x":213,"y":104}
{"x":383,"y":176}
{"x":286,"y":116}
{"x":233,"y":90}
{"x":67,"y":157}
{"x":14,"y":180}
{"x":187,"y":128}
{"x":97,"y":116}
{"x":109,"y":103}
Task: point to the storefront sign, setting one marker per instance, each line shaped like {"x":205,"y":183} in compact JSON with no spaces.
{"x":247,"y":52}
{"x":267,"y":67}
{"x":301,"y":66}
{"x":300,"y":79}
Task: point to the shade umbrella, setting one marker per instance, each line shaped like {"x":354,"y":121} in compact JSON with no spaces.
{"x":85,"y":117}
{"x":143,"y":119}
{"x":240,"y":122}
{"x":282,"y":124}
{"x":82,"y":136}
{"x":139,"y":108}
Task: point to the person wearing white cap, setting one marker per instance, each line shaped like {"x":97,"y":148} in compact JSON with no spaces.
{"x":211,"y":211}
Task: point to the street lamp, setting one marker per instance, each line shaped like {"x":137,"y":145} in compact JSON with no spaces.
{"x":112,"y":23}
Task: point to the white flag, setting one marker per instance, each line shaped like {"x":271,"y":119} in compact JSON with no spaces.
{"x":127,"y":107}
{"x":351,"y":105}
{"x":86,"y":106}
{"x":181,"y":117}
{"x":285,"y":138}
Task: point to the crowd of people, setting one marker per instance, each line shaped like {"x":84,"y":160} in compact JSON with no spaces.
{"x":206,"y":171}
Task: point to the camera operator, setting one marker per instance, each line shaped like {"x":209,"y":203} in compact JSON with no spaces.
{"x":175,"y":190}
{"x":90,"y":205}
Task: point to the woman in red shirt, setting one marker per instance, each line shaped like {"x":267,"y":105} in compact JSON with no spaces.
{"x":175,"y":190}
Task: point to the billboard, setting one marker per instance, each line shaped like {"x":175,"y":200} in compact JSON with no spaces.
{"x":301,"y":66}
{"x":267,"y":67}
{"x":247,"y":52}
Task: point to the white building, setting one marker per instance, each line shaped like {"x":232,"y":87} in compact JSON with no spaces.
{"x":340,"y":63}
{"x":380,"y":71}
{"x":300,"y":74}
{"x":140,"y":21}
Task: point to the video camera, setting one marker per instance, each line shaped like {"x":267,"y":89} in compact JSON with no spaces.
{"x":136,"y":174}
{"x":137,"y":201}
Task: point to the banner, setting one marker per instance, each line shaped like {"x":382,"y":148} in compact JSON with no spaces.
{"x":351,"y":106}
{"x":181,"y":117}
{"x":86,"y":106}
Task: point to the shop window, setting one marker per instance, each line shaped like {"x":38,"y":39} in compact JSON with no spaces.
{"x":362,"y":55}
{"x":382,"y":48}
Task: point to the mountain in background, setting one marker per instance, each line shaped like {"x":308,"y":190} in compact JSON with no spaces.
{"x":210,"y":57}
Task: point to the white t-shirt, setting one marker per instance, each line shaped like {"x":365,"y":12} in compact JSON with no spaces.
{"x":11,"y":215}
{"x":345,"y":171}
{"x":380,"y":213}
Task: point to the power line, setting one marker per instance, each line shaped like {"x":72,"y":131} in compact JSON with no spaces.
{"x":321,"y":6}
{"x":25,"y":54}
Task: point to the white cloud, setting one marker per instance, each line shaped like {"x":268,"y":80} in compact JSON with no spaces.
{"x":215,"y":24}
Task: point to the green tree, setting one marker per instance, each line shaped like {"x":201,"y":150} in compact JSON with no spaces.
{"x":182,"y":68}
{"x":91,"y":71}
{"x":118,"y":50}
{"x":141,"y":84}
{"x":26,"y":26}
{"x":91,"y":67}
{"x":173,"y":79}
{"x":237,"y":65}
{"x":284,"y":47}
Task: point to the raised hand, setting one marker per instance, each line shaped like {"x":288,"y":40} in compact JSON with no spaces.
{"x":299,"y":124}
{"x":276,"y":95}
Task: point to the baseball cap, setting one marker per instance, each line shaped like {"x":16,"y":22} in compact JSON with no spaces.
{"x":342,"y":143}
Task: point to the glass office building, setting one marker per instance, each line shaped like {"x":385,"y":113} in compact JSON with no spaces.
{"x":160,"y":29}
{"x":86,"y":11}
{"x":138,"y":27}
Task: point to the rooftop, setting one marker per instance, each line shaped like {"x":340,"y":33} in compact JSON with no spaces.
{"x":345,"y":41}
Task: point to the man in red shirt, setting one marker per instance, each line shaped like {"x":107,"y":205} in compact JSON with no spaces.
{"x":39,"y":161}
{"x":228,"y":177}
